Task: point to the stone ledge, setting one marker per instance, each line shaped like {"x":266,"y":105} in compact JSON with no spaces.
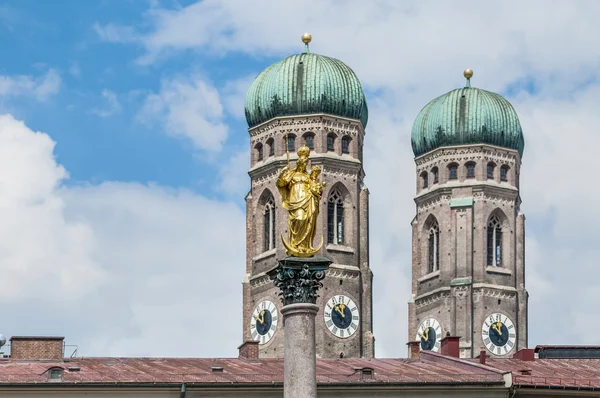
{"x":264,"y":255}
{"x":498,"y":270}
{"x":429,"y":276}
{"x":339,"y":248}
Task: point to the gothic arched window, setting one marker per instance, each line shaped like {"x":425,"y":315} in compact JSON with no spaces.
{"x":269,"y":225}
{"x":335,"y":218}
{"x":345,"y":145}
{"x":433,"y":260}
{"x":494,"y":242}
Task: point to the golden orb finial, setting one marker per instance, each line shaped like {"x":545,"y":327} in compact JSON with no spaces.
{"x":306,"y":38}
{"x":468,"y":73}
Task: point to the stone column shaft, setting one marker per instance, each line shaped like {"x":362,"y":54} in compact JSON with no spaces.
{"x":300,"y":361}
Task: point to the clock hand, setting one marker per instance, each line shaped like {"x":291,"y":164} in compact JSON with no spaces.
{"x":261,"y":317}
{"x":499,"y":327}
{"x":340,"y":309}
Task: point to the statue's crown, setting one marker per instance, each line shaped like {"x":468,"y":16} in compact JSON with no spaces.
{"x":303,"y":151}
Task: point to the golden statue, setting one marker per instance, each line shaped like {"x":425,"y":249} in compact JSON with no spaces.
{"x":300,"y":194}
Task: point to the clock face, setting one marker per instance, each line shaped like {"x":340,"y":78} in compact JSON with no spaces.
{"x":341,"y":316}
{"x":429,"y":334}
{"x":499,"y":334}
{"x":263,"y":323}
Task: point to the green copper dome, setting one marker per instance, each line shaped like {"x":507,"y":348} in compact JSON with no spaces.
{"x":305,"y":84}
{"x":467,"y":116}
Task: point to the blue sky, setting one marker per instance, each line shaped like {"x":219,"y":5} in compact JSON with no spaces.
{"x":125,"y":212}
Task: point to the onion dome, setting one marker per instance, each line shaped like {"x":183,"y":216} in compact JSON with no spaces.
{"x":467,"y":116}
{"x":304,"y":84}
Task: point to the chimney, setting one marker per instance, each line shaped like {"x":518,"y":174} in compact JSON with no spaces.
{"x":414,"y":349}
{"x":482,"y":355}
{"x":34,"y":348}
{"x":450,"y":346}
{"x":248,"y":350}
{"x":525,"y":354}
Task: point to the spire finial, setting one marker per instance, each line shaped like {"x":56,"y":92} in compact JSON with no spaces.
{"x":468,"y":74}
{"x":306,"y":38}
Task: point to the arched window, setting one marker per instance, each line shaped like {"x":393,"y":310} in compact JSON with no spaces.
{"x":259,"y":149}
{"x":452,"y":172}
{"x":436,"y":175}
{"x":345,"y":145}
{"x":269,"y":225}
{"x":335,"y":218}
{"x":330,"y":143}
{"x":470,"y":170}
{"x":434,"y":248}
{"x":291,"y":143}
{"x":425,"y":179}
{"x":309,"y":140}
{"x":271,"y":145}
{"x":490,"y":170}
{"x":504,"y":173}
{"x":494,"y":242}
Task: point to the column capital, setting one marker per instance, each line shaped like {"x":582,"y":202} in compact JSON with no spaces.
{"x":299,"y":279}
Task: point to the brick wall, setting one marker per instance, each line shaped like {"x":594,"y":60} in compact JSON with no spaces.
{"x":36,"y":348}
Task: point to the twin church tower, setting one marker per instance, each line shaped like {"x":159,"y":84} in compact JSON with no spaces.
{"x":468,"y":235}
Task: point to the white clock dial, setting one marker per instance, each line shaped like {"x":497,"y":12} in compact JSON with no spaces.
{"x":498,"y":334}
{"x":429,"y":334}
{"x":263,"y":323}
{"x":341,"y":316}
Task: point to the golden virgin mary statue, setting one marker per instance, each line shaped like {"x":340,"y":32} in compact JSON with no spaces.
{"x":300,"y":194}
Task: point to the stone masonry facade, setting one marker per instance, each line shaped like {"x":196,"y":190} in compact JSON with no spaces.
{"x":350,"y":273}
{"x":465,"y":289}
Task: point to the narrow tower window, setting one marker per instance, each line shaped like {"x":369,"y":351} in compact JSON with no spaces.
{"x":259,"y":148}
{"x":490,"y":171}
{"x":494,"y":242}
{"x":271,"y":145}
{"x":425,"y":179}
{"x":470,"y":170}
{"x":269,"y":225}
{"x":330,"y":141}
{"x":345,"y":145}
{"x":291,"y":143}
{"x":310,"y":141}
{"x":436,"y":175}
{"x":434,"y":248}
{"x":452,"y":172}
{"x":504,"y":173}
{"x":335,"y":219}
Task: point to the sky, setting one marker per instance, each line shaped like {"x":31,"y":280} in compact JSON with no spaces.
{"x":124,"y":154}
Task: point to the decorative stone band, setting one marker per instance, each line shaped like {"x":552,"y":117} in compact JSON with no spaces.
{"x":299,"y":279}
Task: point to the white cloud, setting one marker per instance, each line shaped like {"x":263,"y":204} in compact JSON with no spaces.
{"x":75,"y":69}
{"x":113,"y":106}
{"x":188,"y":108}
{"x":132,"y":266}
{"x":41,"y":87}
{"x":115,"y":34}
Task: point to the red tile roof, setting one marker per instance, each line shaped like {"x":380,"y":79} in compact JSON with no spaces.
{"x":560,"y":373}
{"x":198,"y":370}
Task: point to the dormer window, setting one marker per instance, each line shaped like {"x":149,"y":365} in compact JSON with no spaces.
{"x":55,"y":374}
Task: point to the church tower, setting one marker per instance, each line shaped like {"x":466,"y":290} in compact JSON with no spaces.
{"x":468,"y":236}
{"x":316,"y":101}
